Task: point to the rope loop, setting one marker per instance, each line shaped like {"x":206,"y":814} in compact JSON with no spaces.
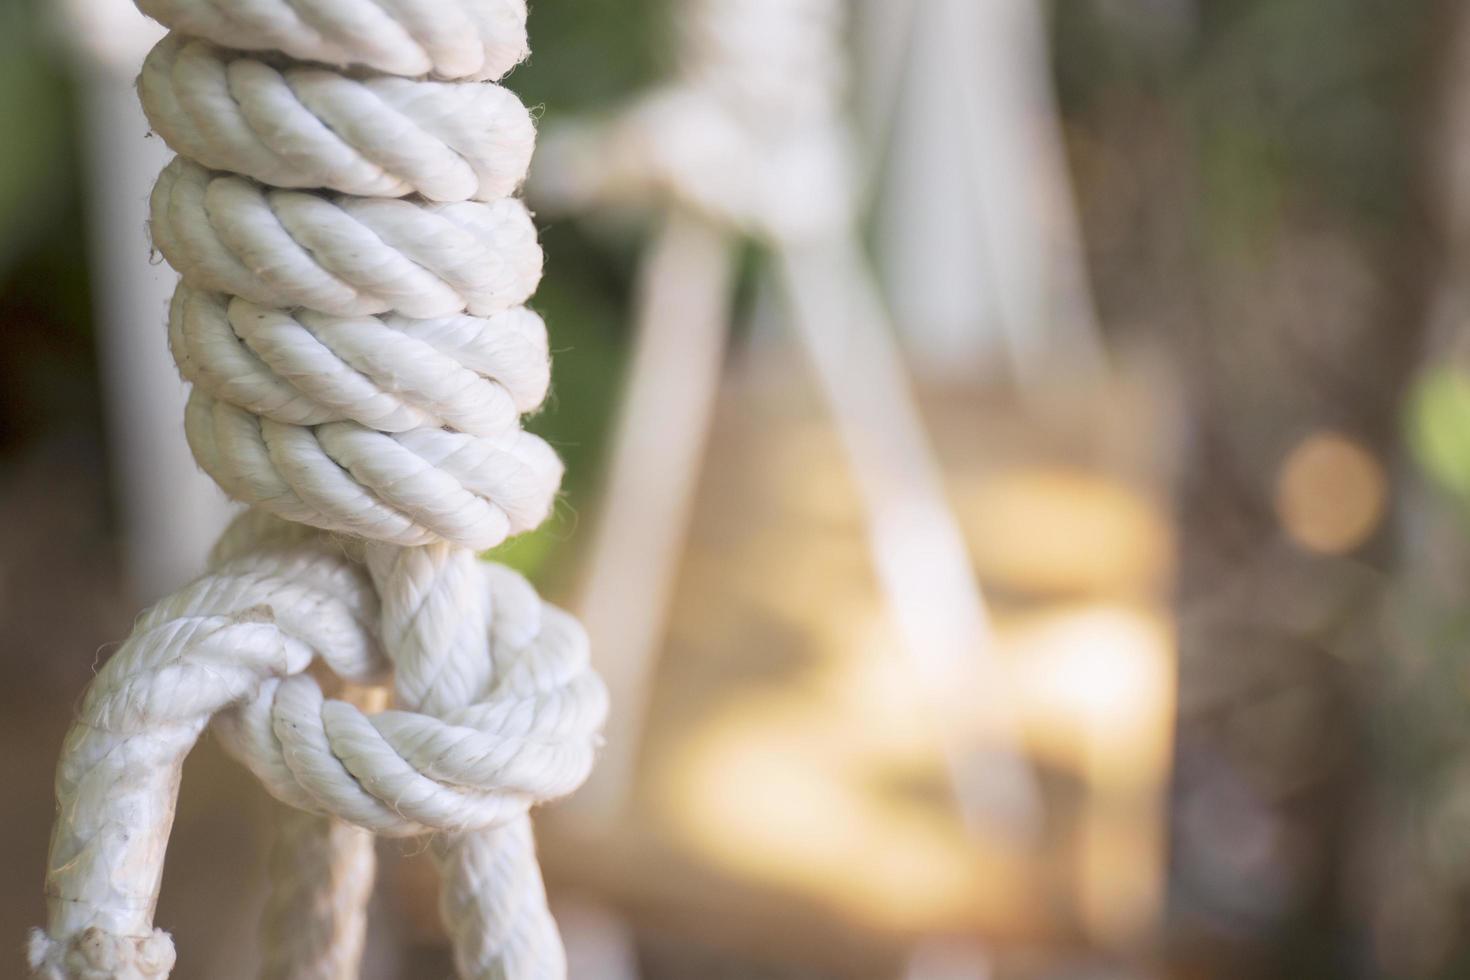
{"x":528,"y":737}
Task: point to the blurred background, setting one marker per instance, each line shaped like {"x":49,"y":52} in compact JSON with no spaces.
{"x":1124,"y":633}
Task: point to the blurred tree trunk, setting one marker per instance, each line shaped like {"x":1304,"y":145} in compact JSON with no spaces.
{"x":1256,"y":194}
{"x":1312,"y":327}
{"x":1413,"y":856}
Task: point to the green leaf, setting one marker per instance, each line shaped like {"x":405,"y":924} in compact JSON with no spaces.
{"x":1439,"y":429}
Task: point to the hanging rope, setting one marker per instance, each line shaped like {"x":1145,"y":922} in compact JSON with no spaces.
{"x":749,"y":133}
{"x":350,"y":317}
{"x":749,"y":140}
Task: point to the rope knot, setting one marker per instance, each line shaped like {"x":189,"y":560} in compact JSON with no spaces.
{"x":749,"y":135}
{"x":478,"y":734}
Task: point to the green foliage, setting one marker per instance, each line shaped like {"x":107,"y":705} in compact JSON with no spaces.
{"x":1439,"y":429}
{"x":589,"y":54}
{"x":1289,"y":107}
{"x":35,"y":116}
{"x":585,"y":299}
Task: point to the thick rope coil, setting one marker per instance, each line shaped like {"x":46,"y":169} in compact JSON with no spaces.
{"x":474,"y":374}
{"x":314,"y":127}
{"x":344,"y":256}
{"x":468,"y":40}
{"x":410,"y":488}
{"x":350,"y":317}
{"x":389,"y":428}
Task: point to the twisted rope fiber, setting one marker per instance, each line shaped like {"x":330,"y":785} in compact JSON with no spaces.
{"x":350,"y":317}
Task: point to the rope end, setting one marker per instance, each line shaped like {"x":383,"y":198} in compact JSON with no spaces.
{"x":95,"y":954}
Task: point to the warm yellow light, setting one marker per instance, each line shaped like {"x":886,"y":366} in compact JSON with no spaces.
{"x":1096,"y":686}
{"x":1330,"y":494}
{"x":804,"y":786}
{"x":825,"y":787}
{"x":1050,"y":530}
{"x":765,"y":790}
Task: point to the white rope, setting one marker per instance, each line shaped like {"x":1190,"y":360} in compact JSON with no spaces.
{"x":265,"y":613}
{"x":321,"y":875}
{"x":360,"y":362}
{"x":371,"y":135}
{"x":749,"y":135}
{"x":344,"y":256}
{"x":525,"y":734}
{"x":536,"y":731}
{"x":449,"y":39}
{"x":393,"y":374}
{"x":751,"y":138}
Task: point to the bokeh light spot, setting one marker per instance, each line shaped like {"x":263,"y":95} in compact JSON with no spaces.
{"x":1331,"y":493}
